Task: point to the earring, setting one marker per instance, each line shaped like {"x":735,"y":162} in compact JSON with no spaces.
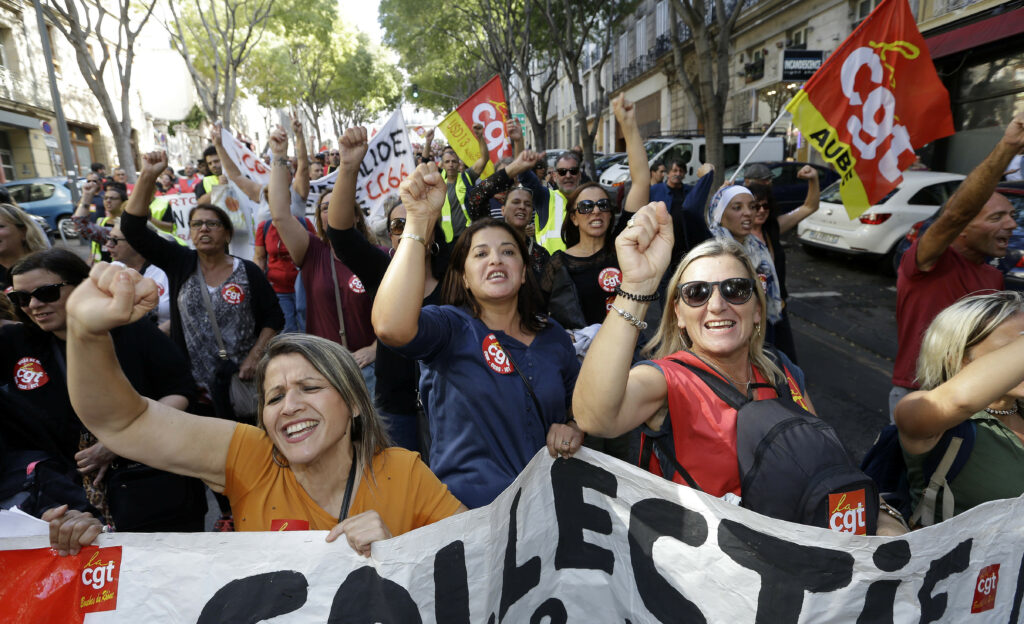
{"x":274,"y":455}
{"x":757,"y":329}
{"x":434,"y":248}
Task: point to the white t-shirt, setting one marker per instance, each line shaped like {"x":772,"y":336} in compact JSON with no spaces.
{"x":163,"y":309}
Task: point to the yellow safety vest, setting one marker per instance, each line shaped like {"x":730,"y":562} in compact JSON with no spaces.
{"x":549,"y":235}
{"x":97,"y":248}
{"x":209,"y":182}
{"x":462,"y":184}
{"x":158,"y":208}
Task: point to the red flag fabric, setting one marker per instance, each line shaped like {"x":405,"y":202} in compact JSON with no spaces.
{"x":875,"y":100}
{"x":488,"y":108}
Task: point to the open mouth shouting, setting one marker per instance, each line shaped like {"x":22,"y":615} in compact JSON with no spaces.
{"x":496,"y":276}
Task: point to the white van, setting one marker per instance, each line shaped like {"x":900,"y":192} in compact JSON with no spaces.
{"x":693,"y":152}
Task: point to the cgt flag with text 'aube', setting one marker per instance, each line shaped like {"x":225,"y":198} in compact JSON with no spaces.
{"x":872,"y":103}
{"x":588,"y":539}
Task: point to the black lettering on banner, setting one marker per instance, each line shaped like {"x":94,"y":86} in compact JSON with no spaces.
{"x":256,"y":598}
{"x":650,"y":519}
{"x":396,"y":142}
{"x":383,"y":151}
{"x":553,"y":610}
{"x":881,"y":595}
{"x":1018,"y":596}
{"x":516,"y":581}
{"x":366,"y":598}
{"x":568,"y":478}
{"x":451,"y":588}
{"x":786,"y":569}
{"x":953,"y":562}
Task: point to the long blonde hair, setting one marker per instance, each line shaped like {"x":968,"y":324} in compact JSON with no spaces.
{"x":670,"y":338}
{"x":33,"y":239}
{"x":958,"y":329}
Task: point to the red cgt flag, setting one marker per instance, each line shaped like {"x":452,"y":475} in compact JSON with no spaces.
{"x":488,"y":108}
{"x":875,"y":100}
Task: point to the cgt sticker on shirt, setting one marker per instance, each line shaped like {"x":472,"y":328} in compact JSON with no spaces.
{"x":846,"y":512}
{"x":232,"y":293}
{"x":160,"y":289}
{"x":356,"y":285}
{"x":29,"y":374}
{"x":98,"y":588}
{"x":289,"y":524}
{"x":985,"y":589}
{"x":495,"y":356}
{"x":608,"y":303}
{"x":609,"y":279}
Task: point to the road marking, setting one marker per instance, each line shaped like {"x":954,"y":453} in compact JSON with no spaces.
{"x":817,"y":293}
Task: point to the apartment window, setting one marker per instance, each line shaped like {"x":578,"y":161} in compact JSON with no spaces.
{"x":54,"y":52}
{"x":623,"y":51}
{"x":864,"y":7}
{"x":797,"y":39}
{"x":661,"y":18}
{"x":7,"y":49}
{"x":641,"y":36}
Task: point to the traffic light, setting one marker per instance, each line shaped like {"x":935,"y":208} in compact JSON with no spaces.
{"x":415,"y":91}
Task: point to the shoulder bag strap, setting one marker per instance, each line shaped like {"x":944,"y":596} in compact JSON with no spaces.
{"x":337,"y":301}
{"x":222,"y":353}
{"x":529,"y":387}
{"x":925,"y":512}
{"x":732,"y":397}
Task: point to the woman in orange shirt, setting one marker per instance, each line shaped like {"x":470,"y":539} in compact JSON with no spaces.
{"x":319,"y":459}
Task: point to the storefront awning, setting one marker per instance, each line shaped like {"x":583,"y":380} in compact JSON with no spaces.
{"x":979,"y":33}
{"x":14,"y":119}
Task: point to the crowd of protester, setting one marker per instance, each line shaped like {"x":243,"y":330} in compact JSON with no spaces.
{"x":369,"y":386}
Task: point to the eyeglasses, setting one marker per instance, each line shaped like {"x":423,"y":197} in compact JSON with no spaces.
{"x":735,"y":290}
{"x":114,"y":240}
{"x":571,"y":170}
{"x":397,"y":226}
{"x":111,"y":198}
{"x":44,"y":294}
{"x":587,"y":206}
{"x":212,"y":224}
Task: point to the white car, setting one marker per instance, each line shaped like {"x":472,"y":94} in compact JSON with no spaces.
{"x":880,"y":229}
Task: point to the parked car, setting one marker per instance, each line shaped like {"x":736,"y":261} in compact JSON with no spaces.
{"x":601,"y":164}
{"x":1012,"y":264}
{"x":49,"y":198}
{"x":789,"y":191}
{"x":878,"y":231}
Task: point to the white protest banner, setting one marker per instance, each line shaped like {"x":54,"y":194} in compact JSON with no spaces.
{"x":588,"y":539}
{"x":181,"y":205}
{"x":388,"y":161}
{"x":248,"y":163}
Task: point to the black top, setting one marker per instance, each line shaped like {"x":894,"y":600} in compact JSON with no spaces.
{"x":594,"y":278}
{"x":5,"y":277}
{"x":771,"y":231}
{"x":179,"y":263}
{"x":33,"y":365}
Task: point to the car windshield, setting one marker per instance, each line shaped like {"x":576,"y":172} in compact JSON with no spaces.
{"x":653,"y":148}
{"x":832,"y":196}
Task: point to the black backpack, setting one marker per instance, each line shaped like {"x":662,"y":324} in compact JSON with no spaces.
{"x":884,"y":463}
{"x":792,"y":465}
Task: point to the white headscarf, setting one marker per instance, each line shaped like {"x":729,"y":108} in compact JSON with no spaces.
{"x":756,"y":249}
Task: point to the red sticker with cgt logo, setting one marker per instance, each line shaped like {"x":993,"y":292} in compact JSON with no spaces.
{"x":289,"y":524}
{"x":29,"y":374}
{"x":985,"y":589}
{"x":609,"y":279}
{"x":495,"y":356}
{"x":846,"y":512}
{"x":356,"y":285}
{"x":98,"y":588}
{"x":232,"y":293}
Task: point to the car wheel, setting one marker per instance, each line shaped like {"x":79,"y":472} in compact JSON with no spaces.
{"x":67,"y":227}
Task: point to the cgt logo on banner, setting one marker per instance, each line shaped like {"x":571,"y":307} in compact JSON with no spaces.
{"x":568,"y":540}
{"x":388,"y":161}
{"x":488,"y":108}
{"x":875,"y":100}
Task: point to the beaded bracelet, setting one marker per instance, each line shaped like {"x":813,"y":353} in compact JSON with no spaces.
{"x":641,"y":298}
{"x":632,"y":320}
{"x":415,"y":237}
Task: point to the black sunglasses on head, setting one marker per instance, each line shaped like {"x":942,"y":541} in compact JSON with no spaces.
{"x":735,"y":290}
{"x":587,"y":206}
{"x":397,"y":225}
{"x":45,"y":294}
{"x":572,"y":170}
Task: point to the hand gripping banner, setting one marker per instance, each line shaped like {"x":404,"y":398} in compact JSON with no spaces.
{"x":875,"y":100}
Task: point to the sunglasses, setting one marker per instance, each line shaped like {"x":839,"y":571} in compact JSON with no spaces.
{"x":587,"y":206}
{"x":735,"y":290}
{"x":397,"y":226}
{"x":114,"y":240}
{"x":43,"y":294}
{"x":572,"y":170}
{"x":761,"y":205}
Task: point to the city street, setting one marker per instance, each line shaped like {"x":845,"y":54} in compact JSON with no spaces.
{"x":843,"y":312}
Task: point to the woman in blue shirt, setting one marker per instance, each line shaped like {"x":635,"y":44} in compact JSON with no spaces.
{"x":497,"y":376}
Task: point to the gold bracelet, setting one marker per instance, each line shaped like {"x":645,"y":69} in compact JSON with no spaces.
{"x":415,"y":237}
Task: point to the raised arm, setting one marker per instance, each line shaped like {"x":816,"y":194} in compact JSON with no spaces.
{"x":89,"y":190}
{"x":479,"y":195}
{"x":515,"y":133}
{"x":428,"y":145}
{"x":611,"y":399}
{"x":126,"y":423}
{"x":341,"y":212}
{"x":249,"y":187}
{"x":481,"y":163}
{"x":301,"y":182}
{"x":292,"y":233}
{"x":923,"y":416}
{"x":789,"y":220}
{"x":970,"y":197}
{"x":396,"y":309}
{"x":639,"y":172}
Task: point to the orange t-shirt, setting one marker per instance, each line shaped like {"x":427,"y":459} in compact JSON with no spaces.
{"x":267,"y":497}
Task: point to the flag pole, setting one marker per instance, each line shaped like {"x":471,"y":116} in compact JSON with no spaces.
{"x":759,"y":142}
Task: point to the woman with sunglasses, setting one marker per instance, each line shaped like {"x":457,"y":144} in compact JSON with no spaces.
{"x":33,"y":365}
{"x":328,"y":289}
{"x":19,"y":237}
{"x":395,"y":393}
{"x":497,"y":375}
{"x":713,"y":320}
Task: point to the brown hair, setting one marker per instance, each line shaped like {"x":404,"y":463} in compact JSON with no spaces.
{"x":571,"y":231}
